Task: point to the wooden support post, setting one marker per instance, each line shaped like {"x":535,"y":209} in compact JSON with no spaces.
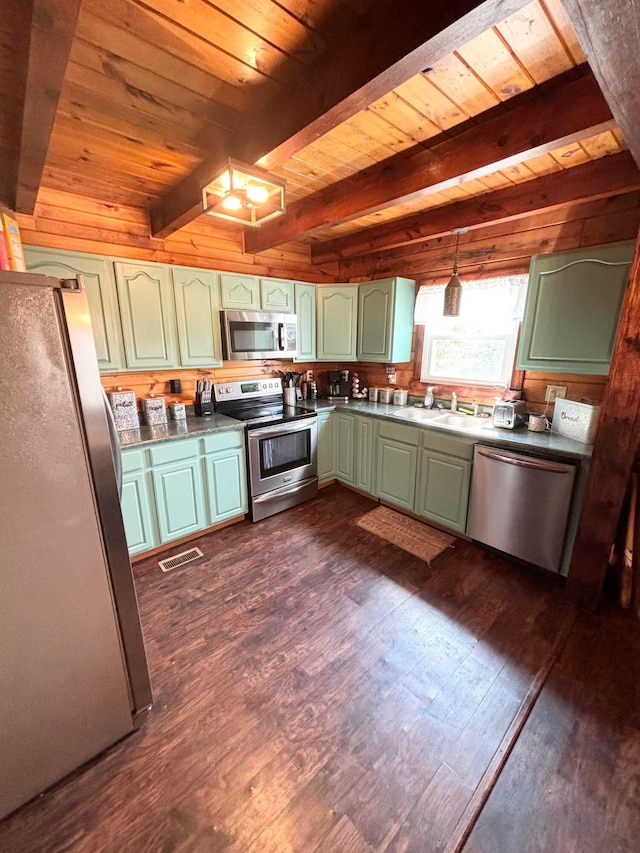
{"x":615,"y":450}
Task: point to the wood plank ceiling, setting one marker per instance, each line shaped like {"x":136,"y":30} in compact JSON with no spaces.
{"x":324,"y":93}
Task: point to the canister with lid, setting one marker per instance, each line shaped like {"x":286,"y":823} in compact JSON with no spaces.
{"x":385,"y":395}
{"x":400,"y":397}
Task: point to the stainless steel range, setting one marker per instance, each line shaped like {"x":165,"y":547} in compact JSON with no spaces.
{"x":281,"y":443}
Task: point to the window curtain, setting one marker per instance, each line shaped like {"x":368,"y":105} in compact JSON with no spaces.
{"x":502,"y":297}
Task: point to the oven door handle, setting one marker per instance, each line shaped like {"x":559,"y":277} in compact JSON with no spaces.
{"x":274,"y":431}
{"x":269,"y":495}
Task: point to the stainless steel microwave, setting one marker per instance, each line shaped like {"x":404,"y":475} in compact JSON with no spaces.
{"x":257,"y":334}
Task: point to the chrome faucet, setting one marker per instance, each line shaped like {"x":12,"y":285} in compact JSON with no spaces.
{"x":476,"y":409}
{"x":454,"y":401}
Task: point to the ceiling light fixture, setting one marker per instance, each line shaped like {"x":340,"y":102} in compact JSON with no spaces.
{"x":453,"y":290}
{"x":245,"y":194}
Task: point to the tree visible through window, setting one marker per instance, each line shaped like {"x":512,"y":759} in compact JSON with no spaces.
{"x":478,"y":347}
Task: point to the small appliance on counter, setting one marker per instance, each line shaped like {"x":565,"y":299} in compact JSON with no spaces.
{"x":339,"y":386}
{"x":508,"y":414}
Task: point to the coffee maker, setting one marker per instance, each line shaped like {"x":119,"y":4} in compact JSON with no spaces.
{"x":339,"y":388}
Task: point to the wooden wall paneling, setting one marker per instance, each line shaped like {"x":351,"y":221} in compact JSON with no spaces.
{"x":52,"y":32}
{"x":616,"y":447}
{"x":14,"y":53}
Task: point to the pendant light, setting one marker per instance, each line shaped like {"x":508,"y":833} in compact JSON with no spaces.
{"x":453,"y":291}
{"x":244,"y":193}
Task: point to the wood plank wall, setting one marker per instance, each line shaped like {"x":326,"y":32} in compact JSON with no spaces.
{"x":66,"y":221}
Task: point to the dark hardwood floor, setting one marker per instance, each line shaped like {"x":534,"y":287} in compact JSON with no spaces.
{"x":319,"y":690}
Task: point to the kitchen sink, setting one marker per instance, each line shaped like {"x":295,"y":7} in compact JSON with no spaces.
{"x":460,"y":421}
{"x":416,"y":414}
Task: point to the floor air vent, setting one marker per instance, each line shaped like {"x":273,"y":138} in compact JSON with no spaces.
{"x":180,"y":559}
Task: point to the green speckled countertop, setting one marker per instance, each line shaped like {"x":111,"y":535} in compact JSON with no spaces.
{"x":191,"y":427}
{"x":542,"y":443}
{"x":519,"y":439}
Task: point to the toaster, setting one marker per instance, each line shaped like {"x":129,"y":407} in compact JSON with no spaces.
{"x":509,"y":414}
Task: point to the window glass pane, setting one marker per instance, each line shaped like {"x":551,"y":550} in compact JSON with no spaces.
{"x":480,"y":360}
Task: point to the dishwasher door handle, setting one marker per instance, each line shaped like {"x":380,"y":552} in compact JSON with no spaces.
{"x":539,"y":465}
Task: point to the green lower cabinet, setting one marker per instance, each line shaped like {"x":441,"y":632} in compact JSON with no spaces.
{"x":364,"y":455}
{"x":443,"y":489}
{"x":179,"y":499}
{"x":326,"y":446}
{"x":396,"y":464}
{"x":225,"y":484}
{"x":138,"y":512}
{"x":345,"y":447}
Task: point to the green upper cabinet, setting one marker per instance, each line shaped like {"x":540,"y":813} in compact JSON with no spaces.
{"x":337,"y":307}
{"x":147,"y":310}
{"x":305,"y":306}
{"x":277,"y":295}
{"x":198,"y":317}
{"x":240,"y":292}
{"x":572,"y":309}
{"x":385,"y":319}
{"x":101,"y":294}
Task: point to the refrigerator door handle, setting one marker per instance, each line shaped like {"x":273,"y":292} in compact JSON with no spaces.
{"x":115,"y":443}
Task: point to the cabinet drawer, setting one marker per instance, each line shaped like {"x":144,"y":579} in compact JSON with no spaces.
{"x":133,"y":460}
{"x":223,"y":441}
{"x":173,"y":451}
{"x":398,"y":432}
{"x":454,"y":445}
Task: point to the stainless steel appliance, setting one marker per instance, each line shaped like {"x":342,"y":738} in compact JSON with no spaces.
{"x":73,"y":672}
{"x":281,"y":443}
{"x":338,"y":385}
{"x":520,"y":504}
{"x":509,"y":414}
{"x":257,"y":335}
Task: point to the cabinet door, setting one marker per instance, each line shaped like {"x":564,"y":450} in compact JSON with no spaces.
{"x":396,"y":469}
{"x":375,"y":313}
{"x":137,"y":512}
{"x":101,"y":294}
{"x":277,"y":295}
{"x":326,"y":446}
{"x":148,"y":315}
{"x":179,"y":499}
{"x":226,"y":485}
{"x":572,"y":310}
{"x":443,"y":489}
{"x":240,"y":292}
{"x":198,"y":317}
{"x":345,"y":446}
{"x":337,"y":307}
{"x":306,"y":314}
{"x":364,"y":455}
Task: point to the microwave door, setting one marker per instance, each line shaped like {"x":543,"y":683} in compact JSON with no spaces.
{"x":252,"y":339}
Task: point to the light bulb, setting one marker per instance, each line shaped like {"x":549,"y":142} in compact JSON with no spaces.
{"x":231,"y":202}
{"x":257,"y":193}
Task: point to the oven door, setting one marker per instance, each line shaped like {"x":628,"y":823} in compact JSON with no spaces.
{"x":282,"y":454}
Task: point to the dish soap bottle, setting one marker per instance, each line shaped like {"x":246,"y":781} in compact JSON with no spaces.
{"x":428,"y":397}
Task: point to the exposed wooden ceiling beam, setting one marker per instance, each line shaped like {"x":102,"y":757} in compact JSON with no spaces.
{"x":608,"y":176}
{"x":609,"y":35}
{"x":52,"y":30}
{"x":570,"y":109}
{"x":394,"y":42}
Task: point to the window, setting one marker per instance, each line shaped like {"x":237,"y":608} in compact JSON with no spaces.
{"x":478,"y":347}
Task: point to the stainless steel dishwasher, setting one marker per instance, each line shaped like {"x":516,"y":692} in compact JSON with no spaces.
{"x":520,"y":504}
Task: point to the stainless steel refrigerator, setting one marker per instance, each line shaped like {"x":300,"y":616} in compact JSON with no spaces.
{"x":73,"y":671}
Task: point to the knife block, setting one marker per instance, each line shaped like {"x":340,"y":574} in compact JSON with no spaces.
{"x":204,"y":409}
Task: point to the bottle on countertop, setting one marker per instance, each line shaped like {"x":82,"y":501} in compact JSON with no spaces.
{"x":429,"y":398}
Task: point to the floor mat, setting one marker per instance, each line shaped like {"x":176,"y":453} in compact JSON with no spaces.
{"x":407,"y":533}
